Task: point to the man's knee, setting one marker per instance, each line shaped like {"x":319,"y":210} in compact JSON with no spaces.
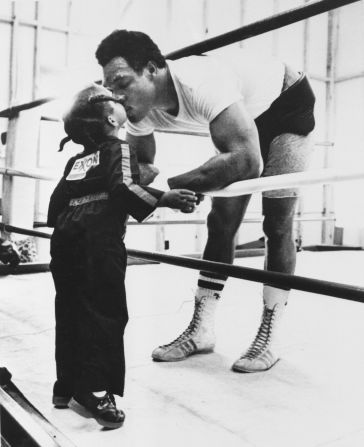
{"x":226,"y":215}
{"x":278,"y":218}
{"x":277,"y":229}
{"x":222,"y":223}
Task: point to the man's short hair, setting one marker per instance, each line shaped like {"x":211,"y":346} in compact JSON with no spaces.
{"x":135,"y":47}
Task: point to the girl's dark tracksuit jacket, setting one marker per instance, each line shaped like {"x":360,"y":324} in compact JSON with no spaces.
{"x":89,"y":209}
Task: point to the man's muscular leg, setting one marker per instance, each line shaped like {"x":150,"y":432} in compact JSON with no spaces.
{"x":287,"y":153}
{"x":278,"y":229}
{"x":280,"y":257}
{"x":223,"y":222}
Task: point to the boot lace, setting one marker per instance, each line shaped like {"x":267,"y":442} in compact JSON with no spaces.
{"x":193,"y":326}
{"x":264,"y":335}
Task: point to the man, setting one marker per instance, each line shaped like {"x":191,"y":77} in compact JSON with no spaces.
{"x":253,"y":108}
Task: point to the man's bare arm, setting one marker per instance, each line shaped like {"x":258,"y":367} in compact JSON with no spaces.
{"x":145,"y":149}
{"x":235,"y":135}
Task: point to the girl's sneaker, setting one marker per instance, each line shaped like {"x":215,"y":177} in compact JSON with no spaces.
{"x":103,"y":409}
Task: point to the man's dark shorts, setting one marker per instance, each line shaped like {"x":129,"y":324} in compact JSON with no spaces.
{"x":285,"y":134}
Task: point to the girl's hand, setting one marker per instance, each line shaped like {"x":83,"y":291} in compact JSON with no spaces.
{"x":181,"y":199}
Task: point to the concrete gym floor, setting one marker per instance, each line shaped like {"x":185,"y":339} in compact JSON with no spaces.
{"x":313,"y":397}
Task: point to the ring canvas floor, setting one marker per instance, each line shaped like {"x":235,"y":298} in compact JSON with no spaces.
{"x":313,"y":397}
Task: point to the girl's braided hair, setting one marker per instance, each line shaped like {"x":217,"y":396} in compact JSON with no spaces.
{"x":83,"y":122}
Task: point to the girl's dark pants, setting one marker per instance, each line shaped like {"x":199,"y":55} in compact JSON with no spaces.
{"x":90,"y":309}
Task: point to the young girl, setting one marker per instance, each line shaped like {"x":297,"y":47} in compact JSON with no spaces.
{"x":89,"y":210}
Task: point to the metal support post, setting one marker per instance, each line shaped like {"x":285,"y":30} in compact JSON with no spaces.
{"x":327,"y":234}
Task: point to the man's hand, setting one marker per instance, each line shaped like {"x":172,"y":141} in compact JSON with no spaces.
{"x":181,"y":199}
{"x":148,"y":172}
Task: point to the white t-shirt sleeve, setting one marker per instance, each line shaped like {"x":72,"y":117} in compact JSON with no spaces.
{"x":215,"y":87}
{"x":214,"y":96}
{"x":142,"y":128}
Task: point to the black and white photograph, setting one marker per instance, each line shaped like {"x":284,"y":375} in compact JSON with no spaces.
{"x":181,"y":223}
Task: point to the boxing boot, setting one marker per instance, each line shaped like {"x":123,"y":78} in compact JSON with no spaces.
{"x":199,"y":337}
{"x":261,"y":354}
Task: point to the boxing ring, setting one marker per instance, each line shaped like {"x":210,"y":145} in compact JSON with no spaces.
{"x":36,"y":428}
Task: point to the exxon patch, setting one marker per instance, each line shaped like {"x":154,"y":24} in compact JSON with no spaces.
{"x":82,"y":165}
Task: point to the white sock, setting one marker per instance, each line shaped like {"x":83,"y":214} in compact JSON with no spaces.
{"x":209,"y":286}
{"x":213,"y":295}
{"x":273,"y":296}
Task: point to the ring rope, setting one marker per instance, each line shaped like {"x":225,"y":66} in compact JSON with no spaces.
{"x":261,"y":184}
{"x":34,"y":174}
{"x":282,"y":181}
{"x":281,"y":280}
{"x":257,"y":28}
